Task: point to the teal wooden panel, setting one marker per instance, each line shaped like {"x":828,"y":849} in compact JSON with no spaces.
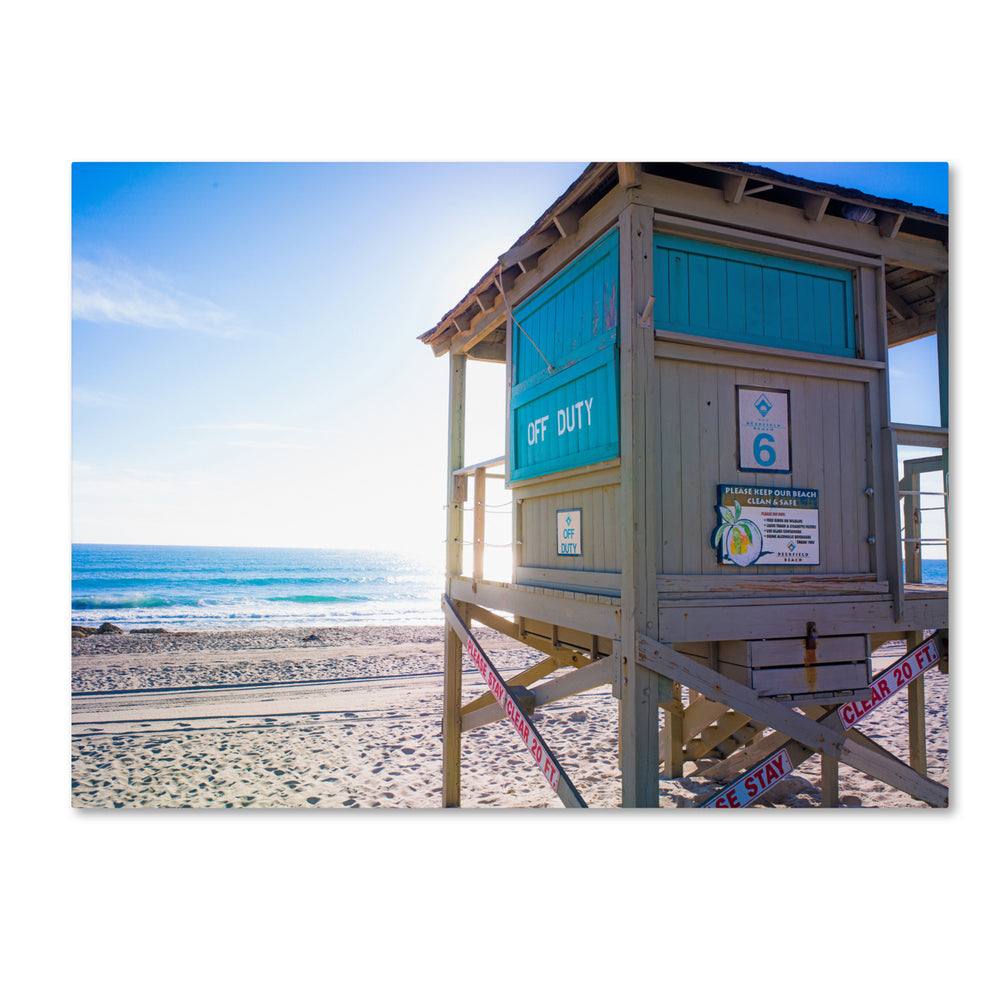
{"x":573,"y":313}
{"x":568,"y":416}
{"x":569,"y":421}
{"x":741,"y":295}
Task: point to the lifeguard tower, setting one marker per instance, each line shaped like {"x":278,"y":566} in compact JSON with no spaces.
{"x":709,"y":510}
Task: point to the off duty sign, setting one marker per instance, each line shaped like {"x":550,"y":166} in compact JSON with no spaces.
{"x":569,"y":533}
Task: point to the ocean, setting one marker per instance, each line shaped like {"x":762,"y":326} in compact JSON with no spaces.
{"x":182,"y":588}
{"x":934,"y":571}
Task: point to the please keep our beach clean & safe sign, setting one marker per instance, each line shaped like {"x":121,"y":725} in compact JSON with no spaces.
{"x":767,"y":526}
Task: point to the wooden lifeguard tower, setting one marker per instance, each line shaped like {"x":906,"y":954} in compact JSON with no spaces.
{"x":708,"y":510}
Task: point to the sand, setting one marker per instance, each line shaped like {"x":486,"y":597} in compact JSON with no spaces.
{"x":341,"y":718}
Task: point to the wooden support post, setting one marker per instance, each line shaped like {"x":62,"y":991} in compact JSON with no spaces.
{"x":941,"y":312}
{"x":456,"y":461}
{"x":479,"y":525}
{"x":912,"y":559}
{"x":672,"y":737}
{"x":451,"y":726}
{"x":829,"y":782}
{"x":451,"y":730}
{"x":915,"y":712}
{"x":941,"y":315}
{"x":638,"y":707}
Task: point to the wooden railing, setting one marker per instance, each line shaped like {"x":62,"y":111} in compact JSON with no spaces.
{"x":460,"y":495}
{"x":905,"y":562}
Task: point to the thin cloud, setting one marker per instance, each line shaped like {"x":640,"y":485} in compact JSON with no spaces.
{"x":117,"y":294}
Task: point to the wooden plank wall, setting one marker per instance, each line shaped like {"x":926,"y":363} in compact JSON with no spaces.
{"x":600,"y":516}
{"x":829,"y":435}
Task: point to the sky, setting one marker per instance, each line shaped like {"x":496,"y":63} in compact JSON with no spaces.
{"x":245,"y":363}
{"x":246,"y":369}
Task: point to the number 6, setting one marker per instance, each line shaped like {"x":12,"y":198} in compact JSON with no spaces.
{"x":763,"y":453}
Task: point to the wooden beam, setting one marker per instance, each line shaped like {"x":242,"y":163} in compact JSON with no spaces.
{"x":814,"y":206}
{"x":531,"y":247}
{"x":508,"y":276}
{"x":902,"y":307}
{"x":733,"y":188}
{"x":564,"y":656}
{"x":481,"y":327}
{"x":528,"y":263}
{"x":585,"y":679}
{"x":888,"y":223}
{"x":528,"y":676}
{"x":629,"y":175}
{"x":920,"y":435}
{"x":596,"y":617}
{"x":494,"y":351}
{"x":912,"y":329}
{"x":486,"y":298}
{"x":568,"y":221}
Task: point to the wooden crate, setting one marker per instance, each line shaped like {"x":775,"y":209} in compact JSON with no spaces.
{"x":839,"y":666}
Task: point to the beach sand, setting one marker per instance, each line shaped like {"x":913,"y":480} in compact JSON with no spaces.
{"x":352,"y":718}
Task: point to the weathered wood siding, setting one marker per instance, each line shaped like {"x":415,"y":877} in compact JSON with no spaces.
{"x":829,"y":441}
{"x":599,"y":520}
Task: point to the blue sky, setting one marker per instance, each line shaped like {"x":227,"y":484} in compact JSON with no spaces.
{"x":245,"y":369}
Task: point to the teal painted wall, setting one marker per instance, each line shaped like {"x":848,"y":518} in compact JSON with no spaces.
{"x":567,"y":417}
{"x":739,"y":295}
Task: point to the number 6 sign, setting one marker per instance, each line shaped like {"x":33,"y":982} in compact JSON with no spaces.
{"x":762,"y":429}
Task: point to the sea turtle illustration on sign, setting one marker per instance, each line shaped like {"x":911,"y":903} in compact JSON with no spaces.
{"x":739,"y":538}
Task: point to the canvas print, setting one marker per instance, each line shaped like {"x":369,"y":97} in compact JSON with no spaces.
{"x":510,"y":485}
